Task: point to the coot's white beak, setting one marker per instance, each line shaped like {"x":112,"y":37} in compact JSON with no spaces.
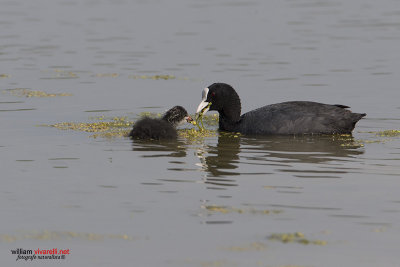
{"x":204,"y":105}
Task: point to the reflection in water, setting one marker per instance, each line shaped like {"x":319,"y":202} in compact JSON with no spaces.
{"x":170,"y":148}
{"x":304,"y":149}
{"x":303,"y":156}
{"x":122,"y":46}
{"x":284,"y":152}
{"x":221,"y":160}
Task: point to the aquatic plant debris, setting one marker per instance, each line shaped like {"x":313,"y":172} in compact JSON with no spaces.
{"x":378,"y":137}
{"x":24,"y":92}
{"x":202,"y":132}
{"x":194,"y":134}
{"x":225,"y":210}
{"x":347,"y":140}
{"x":144,"y":77}
{"x":152,"y":77}
{"x":2,"y":75}
{"x":115,"y":127}
{"x":121,"y":126}
{"x":60,"y":74}
{"x":112,"y":75}
{"x":296,"y":237}
{"x":149,"y":114}
{"x":199,"y":117}
{"x":209,"y":120}
{"x":61,"y":235}
{"x":387,"y":133}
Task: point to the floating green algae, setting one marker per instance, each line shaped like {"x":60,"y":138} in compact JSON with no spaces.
{"x":193,"y":134}
{"x":61,"y":235}
{"x":199,"y":122}
{"x":296,"y":237}
{"x":60,"y":74}
{"x":143,"y":77}
{"x":23,"y":92}
{"x":187,"y":133}
{"x":121,"y":126}
{"x":230,"y":134}
{"x":190,"y":133}
{"x":387,"y":133}
{"x":152,"y":77}
{"x":161,"y":77}
{"x":211,"y":120}
{"x":377,"y":137}
{"x":347,"y":140}
{"x":150,"y":115}
{"x":201,"y":131}
{"x":111,"y":75}
{"x":115,"y":127}
{"x":225,"y":210}
{"x":199,"y":118}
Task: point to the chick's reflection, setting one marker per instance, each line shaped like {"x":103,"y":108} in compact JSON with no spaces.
{"x":154,"y":149}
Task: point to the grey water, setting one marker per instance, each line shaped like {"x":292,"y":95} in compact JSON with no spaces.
{"x":212,"y":201}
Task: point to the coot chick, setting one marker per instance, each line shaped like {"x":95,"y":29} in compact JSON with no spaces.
{"x":164,"y":128}
{"x":295,"y":117}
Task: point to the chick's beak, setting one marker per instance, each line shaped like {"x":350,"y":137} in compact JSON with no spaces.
{"x":189,"y":119}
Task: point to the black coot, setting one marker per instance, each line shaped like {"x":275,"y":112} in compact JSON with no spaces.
{"x":164,"y":128}
{"x":295,"y":117}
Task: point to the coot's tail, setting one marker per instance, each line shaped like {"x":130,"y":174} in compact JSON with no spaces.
{"x":355,"y":118}
{"x":359,"y":116}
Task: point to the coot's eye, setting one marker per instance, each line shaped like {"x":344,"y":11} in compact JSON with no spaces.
{"x":213,"y":94}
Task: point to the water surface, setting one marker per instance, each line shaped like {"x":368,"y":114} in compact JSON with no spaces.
{"x":211,"y":201}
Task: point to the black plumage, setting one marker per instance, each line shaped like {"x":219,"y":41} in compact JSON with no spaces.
{"x":295,"y":117}
{"x":164,"y":128}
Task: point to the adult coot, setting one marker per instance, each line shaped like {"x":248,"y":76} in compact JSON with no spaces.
{"x":164,"y":128}
{"x":295,"y":117}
